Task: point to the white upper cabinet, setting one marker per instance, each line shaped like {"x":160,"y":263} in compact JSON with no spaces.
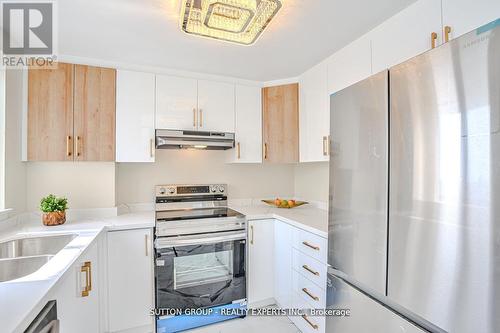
{"x":248,"y":125}
{"x":176,"y":103}
{"x":463,"y":16}
{"x":135,"y":116}
{"x":215,"y":106}
{"x":349,"y":65}
{"x":406,"y":34}
{"x":314,"y":114}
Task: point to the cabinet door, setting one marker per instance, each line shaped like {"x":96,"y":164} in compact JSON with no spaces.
{"x":135,"y":112}
{"x":215,"y":106}
{"x":130,"y":279}
{"x":463,"y":16}
{"x":283,"y":264}
{"x":50,"y":113}
{"x":280,"y":117}
{"x":78,"y":313}
{"x":406,"y":34}
{"x":260,"y":262}
{"x":314,"y":114}
{"x":176,"y":103}
{"x":349,"y":65}
{"x":248,"y":128}
{"x":94,"y":113}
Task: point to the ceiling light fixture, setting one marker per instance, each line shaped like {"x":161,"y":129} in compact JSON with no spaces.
{"x":237,"y":21}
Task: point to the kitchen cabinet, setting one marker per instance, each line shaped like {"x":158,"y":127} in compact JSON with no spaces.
{"x":280,"y":123}
{"x":71,"y":113}
{"x":406,"y":34}
{"x":260,"y":262}
{"x":94,"y":113}
{"x":283,"y":264}
{"x":190,"y":104}
{"x":215,"y":106}
{"x":349,"y":65}
{"x":50,"y":113}
{"x":135,"y":116}
{"x":314,"y":114}
{"x":77,"y":294}
{"x":176,"y":103}
{"x":248,"y":125}
{"x":462,"y":16}
{"x":130,"y":280}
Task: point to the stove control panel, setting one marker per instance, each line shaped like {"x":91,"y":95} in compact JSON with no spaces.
{"x":183,"y":190}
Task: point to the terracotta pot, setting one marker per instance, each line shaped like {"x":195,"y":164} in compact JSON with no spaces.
{"x":54,"y":218}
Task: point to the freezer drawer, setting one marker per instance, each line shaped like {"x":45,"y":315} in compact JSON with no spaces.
{"x":366,"y":314}
{"x":444,"y":212}
{"x":357,"y":226}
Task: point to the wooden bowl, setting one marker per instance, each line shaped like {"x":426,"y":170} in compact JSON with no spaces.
{"x":297,"y":203}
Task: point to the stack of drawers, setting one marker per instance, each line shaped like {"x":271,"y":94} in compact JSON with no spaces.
{"x":309,"y":270}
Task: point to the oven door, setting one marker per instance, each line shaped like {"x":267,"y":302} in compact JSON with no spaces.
{"x":199,"y":271}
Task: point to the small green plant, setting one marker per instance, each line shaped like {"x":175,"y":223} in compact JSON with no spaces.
{"x":51,"y":203}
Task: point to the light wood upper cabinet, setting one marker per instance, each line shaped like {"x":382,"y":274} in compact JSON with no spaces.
{"x":463,"y":16}
{"x":94,"y":113}
{"x":280,"y":123}
{"x":50,"y":113}
{"x":71,"y":113}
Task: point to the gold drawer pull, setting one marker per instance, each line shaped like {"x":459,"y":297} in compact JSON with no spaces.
{"x":310,"y":322}
{"x":308,"y":293}
{"x":146,"y":242}
{"x":77,"y":143}
{"x":251,"y":239}
{"x":194,"y":117}
{"x":314,"y":247}
{"x":68,"y":145}
{"x":87,"y":269}
{"x":434,"y":37}
{"x":447,"y":31}
{"x":151,"y":148}
{"x":307,"y":268}
{"x":238,"y":148}
{"x":201,"y":118}
{"x":265,"y":151}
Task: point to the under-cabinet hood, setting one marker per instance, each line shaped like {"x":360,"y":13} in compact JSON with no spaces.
{"x":178,"y":139}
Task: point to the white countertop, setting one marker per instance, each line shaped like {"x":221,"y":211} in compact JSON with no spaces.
{"x":21,"y":297}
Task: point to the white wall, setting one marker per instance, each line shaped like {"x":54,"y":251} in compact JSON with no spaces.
{"x":85,"y":184}
{"x":15,"y":170}
{"x":311,"y":181}
{"x":136,"y":181}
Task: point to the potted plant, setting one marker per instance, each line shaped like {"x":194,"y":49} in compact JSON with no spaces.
{"x":54,"y":210}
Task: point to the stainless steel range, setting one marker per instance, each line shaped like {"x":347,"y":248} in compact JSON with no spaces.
{"x":200,"y":247}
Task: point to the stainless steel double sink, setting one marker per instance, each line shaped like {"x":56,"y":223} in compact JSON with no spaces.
{"x":23,"y":256}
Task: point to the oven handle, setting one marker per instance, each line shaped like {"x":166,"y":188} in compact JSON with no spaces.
{"x":163,"y":243}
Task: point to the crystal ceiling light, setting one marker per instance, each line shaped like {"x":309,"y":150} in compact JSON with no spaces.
{"x":238,"y":21}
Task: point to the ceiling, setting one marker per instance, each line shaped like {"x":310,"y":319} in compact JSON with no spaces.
{"x":147,"y":33}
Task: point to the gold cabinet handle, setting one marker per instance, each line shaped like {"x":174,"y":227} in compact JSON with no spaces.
{"x":314,"y":247}
{"x":194,"y":117}
{"x":251,"y":234}
{"x":434,"y":37}
{"x":307,"y":268}
{"x":77,"y":144}
{"x":201,"y":118}
{"x":265,"y":151}
{"x":146,"y":241}
{"x":308,"y":293}
{"x":151,"y":148}
{"x":238,"y":150}
{"x":68,"y":145}
{"x":87,"y":269}
{"x":314,"y":326}
{"x":447,"y":31}
{"x":327,"y":145}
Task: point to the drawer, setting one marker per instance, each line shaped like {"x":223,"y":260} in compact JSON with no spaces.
{"x":309,"y":291}
{"x":310,"y":268}
{"x":310,"y":244}
{"x":307,"y":324}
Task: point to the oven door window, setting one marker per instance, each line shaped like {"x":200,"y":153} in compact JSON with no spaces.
{"x":203,"y":275}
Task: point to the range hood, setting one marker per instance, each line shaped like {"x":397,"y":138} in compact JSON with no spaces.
{"x":178,"y":139}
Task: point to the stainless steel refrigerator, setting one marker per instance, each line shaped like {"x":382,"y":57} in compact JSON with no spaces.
{"x":414,"y":218}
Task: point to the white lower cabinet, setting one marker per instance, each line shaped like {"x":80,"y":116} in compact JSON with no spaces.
{"x":130,"y":281}
{"x":77,"y":294}
{"x":260,"y":289}
{"x":283,"y":264}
